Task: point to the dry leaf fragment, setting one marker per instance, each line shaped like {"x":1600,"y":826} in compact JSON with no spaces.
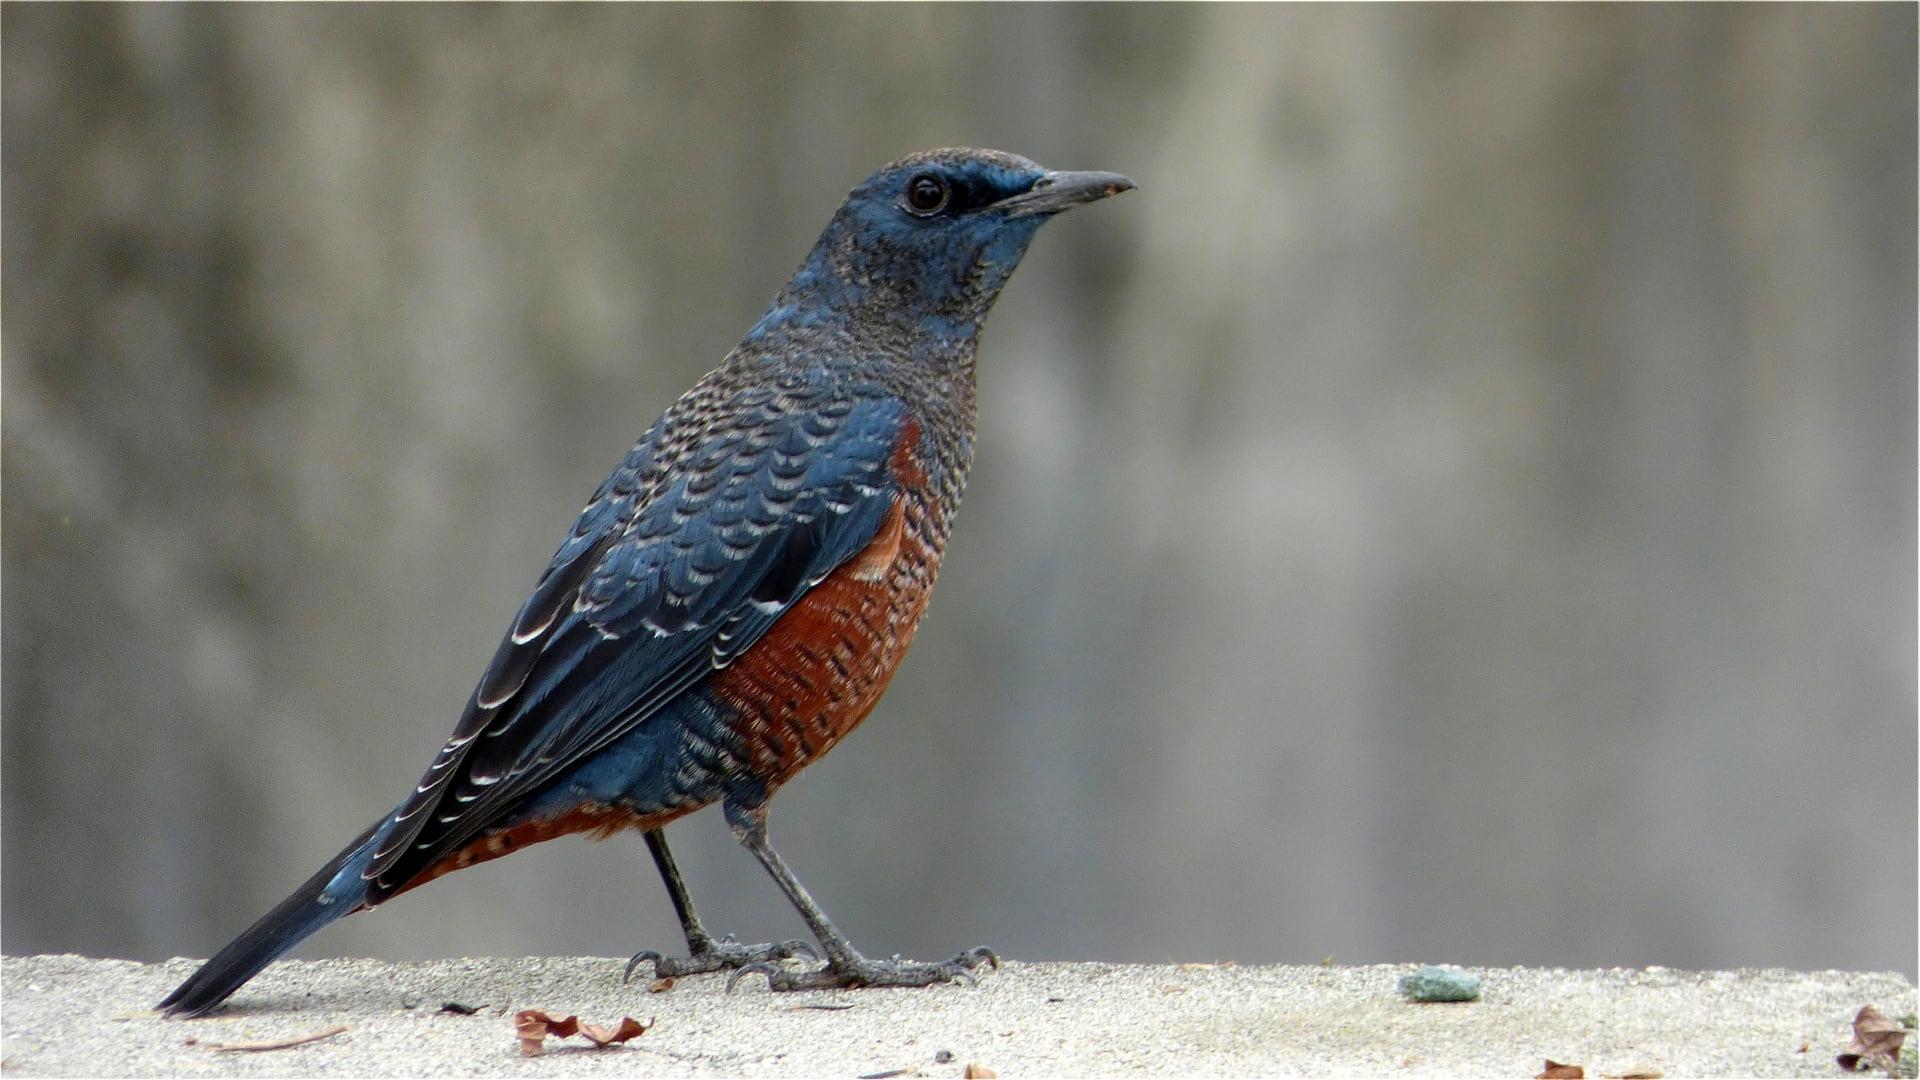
{"x":1876,"y":1042}
{"x":1557,"y":1071}
{"x":977,"y":1071}
{"x":274,"y":1044}
{"x":533,"y":1026}
{"x":660,"y":986}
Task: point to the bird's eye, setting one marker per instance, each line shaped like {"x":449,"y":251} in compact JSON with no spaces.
{"x":927,"y":194}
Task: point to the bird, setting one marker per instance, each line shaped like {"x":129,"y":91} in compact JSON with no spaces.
{"x":738,"y":592}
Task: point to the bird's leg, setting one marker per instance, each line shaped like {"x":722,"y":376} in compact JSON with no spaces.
{"x":698,"y":940}
{"x":845,"y":966}
{"x":703,"y":952}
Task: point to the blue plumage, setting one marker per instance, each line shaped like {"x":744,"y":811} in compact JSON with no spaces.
{"x":737,"y":592}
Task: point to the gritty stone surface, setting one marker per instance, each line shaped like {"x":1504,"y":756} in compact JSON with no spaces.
{"x":1441,"y":982}
{"x":74,"y":1016}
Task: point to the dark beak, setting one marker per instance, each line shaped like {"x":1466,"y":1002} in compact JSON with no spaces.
{"x":1057,"y":191}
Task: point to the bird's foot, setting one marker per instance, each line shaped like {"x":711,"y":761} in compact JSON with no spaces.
{"x":855,"y":970}
{"x":719,"y":955}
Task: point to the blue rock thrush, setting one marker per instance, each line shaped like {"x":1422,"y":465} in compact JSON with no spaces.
{"x":736,"y":596}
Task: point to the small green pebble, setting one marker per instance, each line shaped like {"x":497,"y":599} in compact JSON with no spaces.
{"x":1437,"y":983}
{"x":1910,"y":1021}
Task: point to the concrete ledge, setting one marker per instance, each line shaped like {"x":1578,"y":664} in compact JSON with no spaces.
{"x":74,"y":1016}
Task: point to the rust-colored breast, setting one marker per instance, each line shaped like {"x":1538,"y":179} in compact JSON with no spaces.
{"x":822,"y":667}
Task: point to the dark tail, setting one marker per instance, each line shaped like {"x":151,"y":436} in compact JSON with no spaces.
{"x":333,"y":893}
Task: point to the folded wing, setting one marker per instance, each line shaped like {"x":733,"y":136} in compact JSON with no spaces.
{"x":679,"y":564}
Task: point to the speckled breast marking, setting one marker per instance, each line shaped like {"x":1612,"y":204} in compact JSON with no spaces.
{"x":822,"y":668}
{"x":824,"y":665}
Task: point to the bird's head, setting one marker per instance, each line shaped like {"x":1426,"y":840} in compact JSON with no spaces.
{"x":932,"y":237}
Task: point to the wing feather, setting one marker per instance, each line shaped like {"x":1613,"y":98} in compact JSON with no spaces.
{"x":653,"y":591}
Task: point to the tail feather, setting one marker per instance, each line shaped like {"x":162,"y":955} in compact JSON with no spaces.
{"x":331,"y":894}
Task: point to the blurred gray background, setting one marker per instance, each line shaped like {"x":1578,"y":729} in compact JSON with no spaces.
{"x":1460,"y":508}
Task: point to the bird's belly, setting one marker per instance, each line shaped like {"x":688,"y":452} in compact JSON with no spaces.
{"x":822,"y":667}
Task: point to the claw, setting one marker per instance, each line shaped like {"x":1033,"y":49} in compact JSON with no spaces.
{"x":758,"y":968}
{"x":642,"y":955}
{"x":795,"y":946}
